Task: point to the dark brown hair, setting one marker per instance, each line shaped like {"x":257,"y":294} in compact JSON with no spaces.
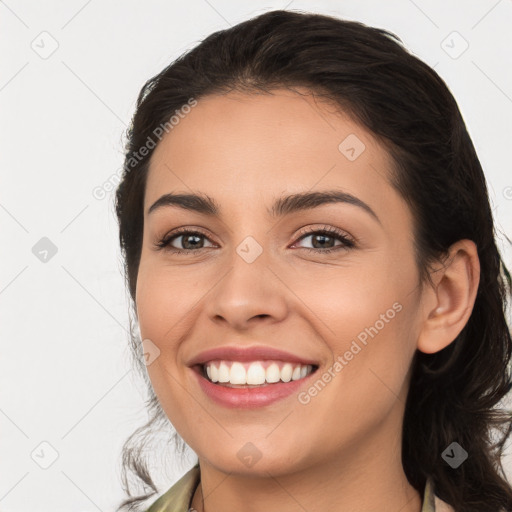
{"x":455,"y":393}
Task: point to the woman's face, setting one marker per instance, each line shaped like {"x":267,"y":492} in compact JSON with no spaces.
{"x":262,"y":272}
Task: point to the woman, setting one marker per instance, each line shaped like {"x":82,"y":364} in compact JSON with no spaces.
{"x":310,"y":252}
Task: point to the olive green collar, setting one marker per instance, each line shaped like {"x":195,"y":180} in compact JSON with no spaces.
{"x":178,"y":498}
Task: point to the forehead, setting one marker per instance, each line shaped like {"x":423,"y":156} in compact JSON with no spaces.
{"x":242,"y":148}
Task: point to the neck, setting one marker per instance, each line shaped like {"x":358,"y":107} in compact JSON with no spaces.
{"x":341,"y":483}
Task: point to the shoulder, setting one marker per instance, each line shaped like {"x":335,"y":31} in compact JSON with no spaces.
{"x":431,"y":502}
{"x":442,"y":506}
{"x":178,"y":497}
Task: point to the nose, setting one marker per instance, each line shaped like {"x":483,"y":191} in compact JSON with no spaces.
{"x":248,"y":294}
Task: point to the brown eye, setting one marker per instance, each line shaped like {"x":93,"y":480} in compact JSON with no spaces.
{"x":189,"y":241}
{"x":324,"y":240}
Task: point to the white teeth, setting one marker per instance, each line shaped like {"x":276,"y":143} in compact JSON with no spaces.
{"x":237,"y":374}
{"x":273,"y":374}
{"x":296,"y":373}
{"x":286,"y":373}
{"x":223,"y":372}
{"x":214,"y":373}
{"x":234,"y":372}
{"x":256,"y":374}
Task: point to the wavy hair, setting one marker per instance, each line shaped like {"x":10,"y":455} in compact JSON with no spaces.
{"x":456,"y":393}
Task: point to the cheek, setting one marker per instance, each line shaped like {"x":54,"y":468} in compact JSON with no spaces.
{"x":164,"y":303}
{"x":367,"y":380}
{"x":366,"y":317}
{"x":161,"y":310}
{"x":345,"y":304}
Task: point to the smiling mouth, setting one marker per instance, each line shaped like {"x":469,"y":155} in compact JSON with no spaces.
{"x":237,"y":374}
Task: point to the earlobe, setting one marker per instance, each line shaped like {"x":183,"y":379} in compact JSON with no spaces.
{"x":450,"y":303}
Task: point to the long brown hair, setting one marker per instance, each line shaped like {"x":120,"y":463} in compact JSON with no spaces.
{"x":454,"y":393}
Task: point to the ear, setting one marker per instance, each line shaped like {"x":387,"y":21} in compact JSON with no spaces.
{"x":448,"y":305}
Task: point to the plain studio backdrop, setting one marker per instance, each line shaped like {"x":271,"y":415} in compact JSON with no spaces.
{"x":69,"y":76}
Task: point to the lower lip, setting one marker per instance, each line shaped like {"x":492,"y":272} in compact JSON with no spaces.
{"x":248,"y":398}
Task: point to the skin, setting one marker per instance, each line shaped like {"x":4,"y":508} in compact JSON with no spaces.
{"x":342,"y":450}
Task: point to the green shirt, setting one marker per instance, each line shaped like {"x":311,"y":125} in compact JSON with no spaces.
{"x":178,"y":498}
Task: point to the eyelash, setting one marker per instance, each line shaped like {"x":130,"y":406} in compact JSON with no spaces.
{"x":347,"y":243}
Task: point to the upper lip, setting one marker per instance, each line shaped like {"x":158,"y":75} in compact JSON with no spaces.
{"x":255,"y":353}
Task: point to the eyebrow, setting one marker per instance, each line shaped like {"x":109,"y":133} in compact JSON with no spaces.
{"x":282,"y":206}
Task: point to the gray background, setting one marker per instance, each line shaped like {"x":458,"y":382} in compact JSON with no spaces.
{"x":69,"y":76}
